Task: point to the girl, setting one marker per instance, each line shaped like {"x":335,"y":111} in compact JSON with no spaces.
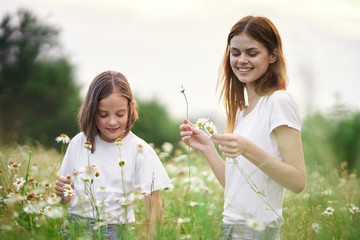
{"x":262,"y":144}
{"x":114,"y":162}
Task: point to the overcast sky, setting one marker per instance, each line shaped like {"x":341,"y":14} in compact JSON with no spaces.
{"x":160,"y":45}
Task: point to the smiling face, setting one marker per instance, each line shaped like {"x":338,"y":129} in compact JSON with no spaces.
{"x":112,"y":116}
{"x":249,"y":59}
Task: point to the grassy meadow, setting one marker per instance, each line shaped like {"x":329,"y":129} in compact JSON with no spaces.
{"x":326,"y":209}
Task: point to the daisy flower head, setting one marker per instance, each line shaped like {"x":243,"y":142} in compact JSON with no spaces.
{"x":140,"y":148}
{"x":316,"y":227}
{"x":53,"y":199}
{"x":210,"y":127}
{"x":329,"y":211}
{"x":67,"y":186}
{"x":167,"y":147}
{"x":354,"y":209}
{"x":94,"y":171}
{"x":206,"y":125}
{"x":87,"y":145}
{"x":118,"y":142}
{"x":19,"y":183}
{"x":54,"y":213}
{"x":183,"y":220}
{"x":121,"y":162}
{"x":256,"y":225}
{"x":201,"y":122}
{"x":13,"y":166}
{"x":63,"y":138}
{"x":69,"y":192}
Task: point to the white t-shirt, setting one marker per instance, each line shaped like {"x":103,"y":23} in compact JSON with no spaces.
{"x":241,"y":201}
{"x":142,"y":167}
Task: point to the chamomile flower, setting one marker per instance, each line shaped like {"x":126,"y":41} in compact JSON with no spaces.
{"x":95,"y":171}
{"x":20,"y":182}
{"x":183,"y":220}
{"x":69,"y":192}
{"x":140,"y":148}
{"x":316,"y":227}
{"x":201,"y":122}
{"x":206,"y":125}
{"x":87,"y":145}
{"x":354,"y":209}
{"x":121,"y":162}
{"x":13,"y":166}
{"x":329,"y":211}
{"x":31,"y":208}
{"x":210,"y":127}
{"x":167,"y":147}
{"x":63,"y":138}
{"x":54,"y":213}
{"x":53,"y":199}
{"x":118,"y":142}
{"x":256,"y":225}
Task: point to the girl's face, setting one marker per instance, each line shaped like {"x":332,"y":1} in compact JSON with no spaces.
{"x":249,"y":59}
{"x":112,"y":117}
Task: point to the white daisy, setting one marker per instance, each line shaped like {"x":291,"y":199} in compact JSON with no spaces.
{"x":63,"y":138}
{"x":329,"y":211}
{"x":19,"y":183}
{"x":256,"y":225}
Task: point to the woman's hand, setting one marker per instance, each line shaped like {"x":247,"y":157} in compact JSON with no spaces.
{"x":193,"y":137}
{"x":59,"y":187}
{"x":231,"y":145}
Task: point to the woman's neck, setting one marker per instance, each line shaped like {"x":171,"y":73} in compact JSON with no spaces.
{"x":252,"y":97}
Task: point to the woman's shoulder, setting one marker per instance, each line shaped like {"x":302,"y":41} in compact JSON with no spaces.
{"x":281,"y":96}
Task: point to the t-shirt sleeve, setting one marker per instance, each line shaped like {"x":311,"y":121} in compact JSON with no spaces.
{"x":67,"y":166}
{"x":150,"y":173}
{"x":284,"y":111}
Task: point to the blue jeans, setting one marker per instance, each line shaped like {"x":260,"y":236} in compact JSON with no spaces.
{"x":241,"y":231}
{"x":80,"y":226}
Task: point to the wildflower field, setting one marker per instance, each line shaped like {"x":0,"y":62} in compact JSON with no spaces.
{"x":29,"y":209}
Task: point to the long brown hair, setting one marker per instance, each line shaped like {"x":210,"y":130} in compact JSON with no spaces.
{"x":102,"y":86}
{"x":264,"y":31}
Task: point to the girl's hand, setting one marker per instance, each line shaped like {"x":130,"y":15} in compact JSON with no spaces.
{"x":59,"y":187}
{"x":193,"y":137}
{"x":231,"y":145}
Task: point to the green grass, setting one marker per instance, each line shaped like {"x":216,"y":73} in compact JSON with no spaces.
{"x":188,"y":214}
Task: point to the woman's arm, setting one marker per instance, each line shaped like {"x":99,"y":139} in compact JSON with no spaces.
{"x":290,"y":173}
{"x":198,"y":140}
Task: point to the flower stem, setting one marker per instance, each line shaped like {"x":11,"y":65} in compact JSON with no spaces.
{"x":188,"y":149}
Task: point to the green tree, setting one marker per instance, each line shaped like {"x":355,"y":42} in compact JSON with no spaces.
{"x":38,"y":95}
{"x":155,"y":125}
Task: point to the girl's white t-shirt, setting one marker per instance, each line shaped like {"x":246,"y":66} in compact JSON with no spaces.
{"x":143,"y":169}
{"x":242,"y":203}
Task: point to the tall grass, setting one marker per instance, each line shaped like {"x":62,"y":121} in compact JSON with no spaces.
{"x":188,"y":213}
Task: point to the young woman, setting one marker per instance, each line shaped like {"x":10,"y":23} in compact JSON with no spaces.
{"x":262,"y":144}
{"x":114,"y":160}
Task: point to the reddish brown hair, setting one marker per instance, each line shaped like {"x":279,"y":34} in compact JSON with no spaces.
{"x":264,"y":31}
{"x":101,"y":87}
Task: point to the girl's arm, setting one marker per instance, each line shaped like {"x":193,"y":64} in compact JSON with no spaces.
{"x":290,"y":173}
{"x":154,"y":210}
{"x":198,"y":140}
{"x":59,"y":187}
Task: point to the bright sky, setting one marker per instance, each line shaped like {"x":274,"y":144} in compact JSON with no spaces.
{"x":161,"y":45}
